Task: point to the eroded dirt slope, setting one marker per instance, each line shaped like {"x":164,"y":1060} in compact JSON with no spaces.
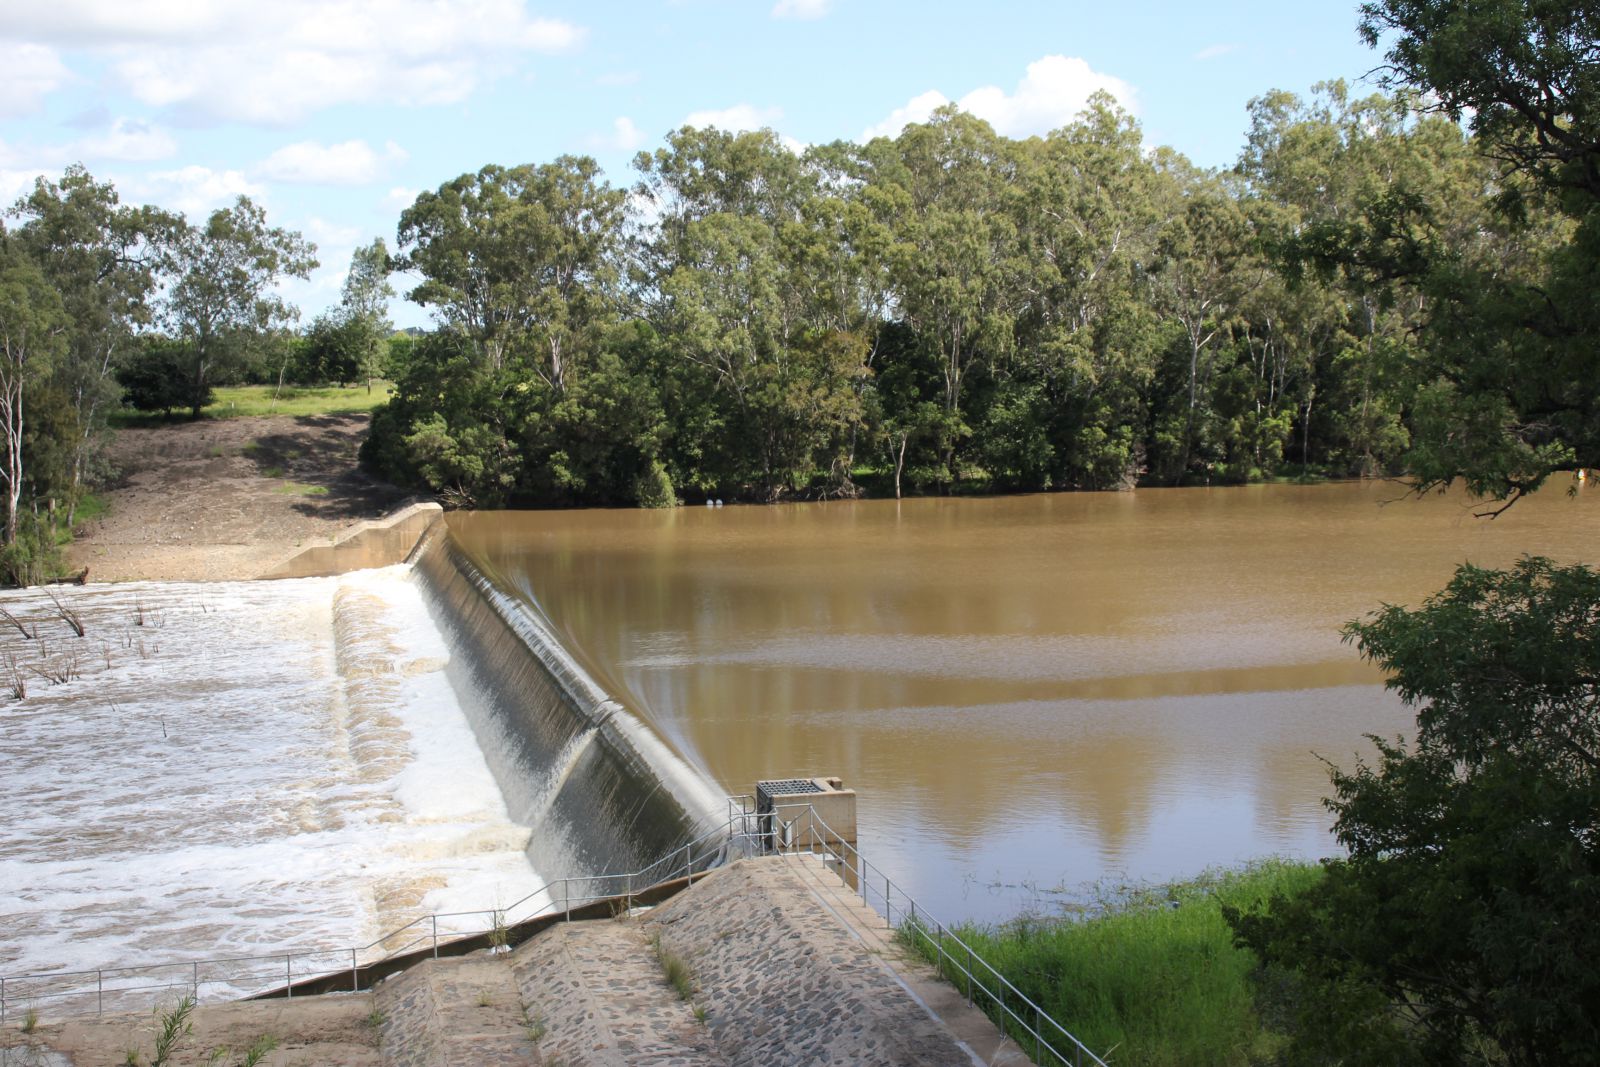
{"x":229,"y":498}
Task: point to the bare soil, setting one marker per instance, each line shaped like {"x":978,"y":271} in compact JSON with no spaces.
{"x":227,"y":499}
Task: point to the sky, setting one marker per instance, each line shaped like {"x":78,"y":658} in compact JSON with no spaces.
{"x":334,"y":114}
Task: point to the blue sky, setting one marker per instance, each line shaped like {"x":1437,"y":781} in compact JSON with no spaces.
{"x":334,"y":113}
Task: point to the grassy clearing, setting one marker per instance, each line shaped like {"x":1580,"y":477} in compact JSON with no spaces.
{"x":301,"y":489}
{"x":233,"y":401}
{"x":1151,"y":976}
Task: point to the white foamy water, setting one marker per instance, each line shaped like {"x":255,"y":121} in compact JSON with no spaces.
{"x":237,"y":768}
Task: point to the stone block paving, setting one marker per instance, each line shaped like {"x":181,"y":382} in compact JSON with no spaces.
{"x":455,"y":1013}
{"x":786,"y":982}
{"x":599,"y":994}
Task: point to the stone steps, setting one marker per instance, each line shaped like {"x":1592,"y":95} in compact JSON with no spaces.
{"x":455,"y":1013}
{"x":598,"y":997}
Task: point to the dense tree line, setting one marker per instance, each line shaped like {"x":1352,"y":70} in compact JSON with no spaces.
{"x":98,"y":298}
{"x":952,"y":310}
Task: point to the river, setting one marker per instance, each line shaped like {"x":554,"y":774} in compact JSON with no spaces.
{"x":1032,"y":694}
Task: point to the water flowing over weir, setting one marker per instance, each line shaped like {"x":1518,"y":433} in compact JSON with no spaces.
{"x":236,"y":768}
{"x":601,"y":792}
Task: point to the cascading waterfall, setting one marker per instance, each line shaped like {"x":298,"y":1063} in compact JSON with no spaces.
{"x":236,"y":768}
{"x":600,"y":790}
{"x":245,"y":767}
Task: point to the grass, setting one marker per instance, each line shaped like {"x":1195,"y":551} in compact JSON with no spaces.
{"x":232,"y":401}
{"x":675,"y":969}
{"x":1151,"y":976}
{"x":300,"y":488}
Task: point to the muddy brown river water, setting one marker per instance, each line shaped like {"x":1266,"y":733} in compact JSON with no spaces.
{"x":1031,"y":693}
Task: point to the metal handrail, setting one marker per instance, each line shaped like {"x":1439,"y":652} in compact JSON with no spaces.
{"x":917,"y":920}
{"x":680,"y":862}
{"x":743,"y":828}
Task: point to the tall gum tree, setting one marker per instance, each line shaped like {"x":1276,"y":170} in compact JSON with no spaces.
{"x":523,"y":255}
{"x":224,"y":274}
{"x":944,"y":191}
{"x":103,"y":259}
{"x":33,"y":328}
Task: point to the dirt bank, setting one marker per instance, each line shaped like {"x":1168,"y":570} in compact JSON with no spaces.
{"x":228,"y":498}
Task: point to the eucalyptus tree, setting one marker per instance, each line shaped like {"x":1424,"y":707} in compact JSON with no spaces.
{"x":364,"y":306}
{"x":33,"y":334}
{"x":1206,"y":265}
{"x":104,"y":261}
{"x":944,"y":193}
{"x":1087,"y":220}
{"x":1505,"y":349}
{"x":745,"y":277}
{"x":223,"y":288}
{"x":519,"y":259}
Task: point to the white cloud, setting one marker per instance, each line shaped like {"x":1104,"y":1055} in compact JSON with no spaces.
{"x":124,"y":141}
{"x":1050,"y":95}
{"x":15,"y":184}
{"x":1214,"y":51}
{"x":274,"y":63}
{"x":735,"y":119}
{"x":28,"y":73}
{"x":624,"y":136}
{"x":346,"y":163}
{"x":128,"y":140}
{"x":801,"y":9}
{"x":196,"y":191}
{"x":399,"y":198}
{"x":332,"y":235}
{"x":917,"y":109}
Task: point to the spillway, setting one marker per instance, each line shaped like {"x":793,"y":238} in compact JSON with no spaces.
{"x":248,"y":767}
{"x":599,"y":790}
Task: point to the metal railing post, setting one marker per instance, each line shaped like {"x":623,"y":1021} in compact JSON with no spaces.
{"x":288,"y":977}
{"x":195,"y":986}
{"x":566,"y":896}
{"x":435,"y":919}
{"x":355,"y":982}
{"x":99,"y":992}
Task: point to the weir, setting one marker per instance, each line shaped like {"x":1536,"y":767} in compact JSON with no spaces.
{"x":600,"y":791}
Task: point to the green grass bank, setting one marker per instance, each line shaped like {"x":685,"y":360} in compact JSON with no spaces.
{"x":1147,"y":976}
{"x":234,"y":401}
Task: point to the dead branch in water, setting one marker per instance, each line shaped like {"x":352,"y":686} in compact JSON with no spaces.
{"x":66,"y":614}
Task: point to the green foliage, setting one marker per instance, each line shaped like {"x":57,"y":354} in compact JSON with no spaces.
{"x":1151,"y":976}
{"x":1461,"y":927}
{"x":171,"y":1028}
{"x":653,"y":488}
{"x":156,"y":377}
{"x":222,"y":297}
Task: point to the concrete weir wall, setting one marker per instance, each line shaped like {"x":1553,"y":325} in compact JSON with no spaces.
{"x":378,"y":543}
{"x":600,"y":791}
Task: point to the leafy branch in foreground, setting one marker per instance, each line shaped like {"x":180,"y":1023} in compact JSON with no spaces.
{"x":1461,"y":927}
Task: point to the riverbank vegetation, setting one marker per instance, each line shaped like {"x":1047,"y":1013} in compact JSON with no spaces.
{"x":1150,"y":975}
{"x":952,"y":310}
{"x":93,"y":295}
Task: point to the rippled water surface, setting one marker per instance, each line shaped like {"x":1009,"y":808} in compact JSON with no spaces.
{"x":236,"y":768}
{"x":1030,"y":693}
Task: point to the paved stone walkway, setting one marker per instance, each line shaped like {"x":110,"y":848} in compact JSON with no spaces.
{"x":602,"y":998}
{"x":785,"y":982}
{"x":444,"y":1013}
{"x":787,"y":969}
